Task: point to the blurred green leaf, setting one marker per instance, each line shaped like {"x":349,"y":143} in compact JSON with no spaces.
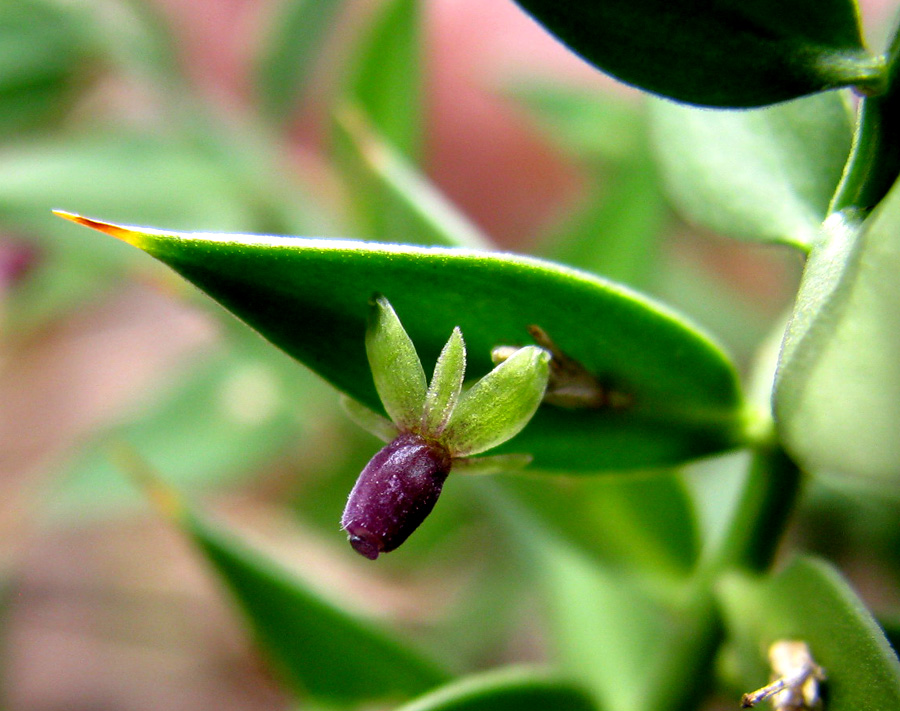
{"x":126,"y":174}
{"x":714,"y":488}
{"x":847,"y":518}
{"x":510,"y":689}
{"x":384,"y":95}
{"x":615,"y":230}
{"x":617,"y":233}
{"x":729,"y":53}
{"x":392,"y":183}
{"x":310,"y":297}
{"x":385,"y":78}
{"x":588,"y":123}
{"x":687,"y":283}
{"x":296,"y":33}
{"x":634,"y":524}
{"x":233,"y":412}
{"x":810,"y":602}
{"x":766,"y":175}
{"x":136,"y":39}
{"x":45,"y":54}
{"x":634,"y":651}
{"x":320,"y":648}
{"x":759,"y":517}
{"x":137,"y":177}
{"x":122,"y":173}
{"x":837,"y":389}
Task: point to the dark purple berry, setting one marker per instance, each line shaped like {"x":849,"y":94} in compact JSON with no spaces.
{"x":395,"y":492}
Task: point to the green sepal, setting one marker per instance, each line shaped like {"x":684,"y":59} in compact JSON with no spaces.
{"x":396,"y":368}
{"x":446,"y":385}
{"x":499,"y":405}
{"x":370,"y":421}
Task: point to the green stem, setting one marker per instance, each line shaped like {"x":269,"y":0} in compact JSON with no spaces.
{"x":762,"y":513}
{"x":874,"y":162}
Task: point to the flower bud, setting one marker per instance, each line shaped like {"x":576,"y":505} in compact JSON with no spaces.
{"x":394,"y":493}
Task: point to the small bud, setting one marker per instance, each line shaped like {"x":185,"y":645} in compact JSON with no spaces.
{"x":395,"y":492}
{"x":431,"y":428}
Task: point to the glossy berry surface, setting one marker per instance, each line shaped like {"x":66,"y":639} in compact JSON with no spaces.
{"x":394,"y":493}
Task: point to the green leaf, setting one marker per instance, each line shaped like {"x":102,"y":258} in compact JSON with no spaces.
{"x":590,"y":124}
{"x":296,"y":34}
{"x":758,"y":516}
{"x":320,"y":648}
{"x":116,"y":173}
{"x":141,"y":43}
{"x":385,"y":79}
{"x":224,"y":419}
{"x":690,"y":284}
{"x":310,"y":297}
{"x":446,"y":385}
{"x":498,"y":406}
{"x":634,"y":651}
{"x":493,"y":464}
{"x":510,"y":689}
{"x":617,"y":232}
{"x":122,"y":173}
{"x":634,"y":524}
{"x":635,"y":629}
{"x":45,"y":54}
{"x":837,"y":389}
{"x":766,"y":175}
{"x":385,"y":183}
{"x":615,"y":229}
{"x":810,"y":602}
{"x":727,"y":53}
{"x":384,"y":90}
{"x":396,"y":368}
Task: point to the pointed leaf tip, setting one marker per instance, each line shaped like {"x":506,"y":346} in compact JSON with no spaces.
{"x":161,"y":496}
{"x":125,"y":234}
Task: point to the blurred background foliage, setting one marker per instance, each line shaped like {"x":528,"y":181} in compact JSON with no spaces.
{"x":436,"y":122}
